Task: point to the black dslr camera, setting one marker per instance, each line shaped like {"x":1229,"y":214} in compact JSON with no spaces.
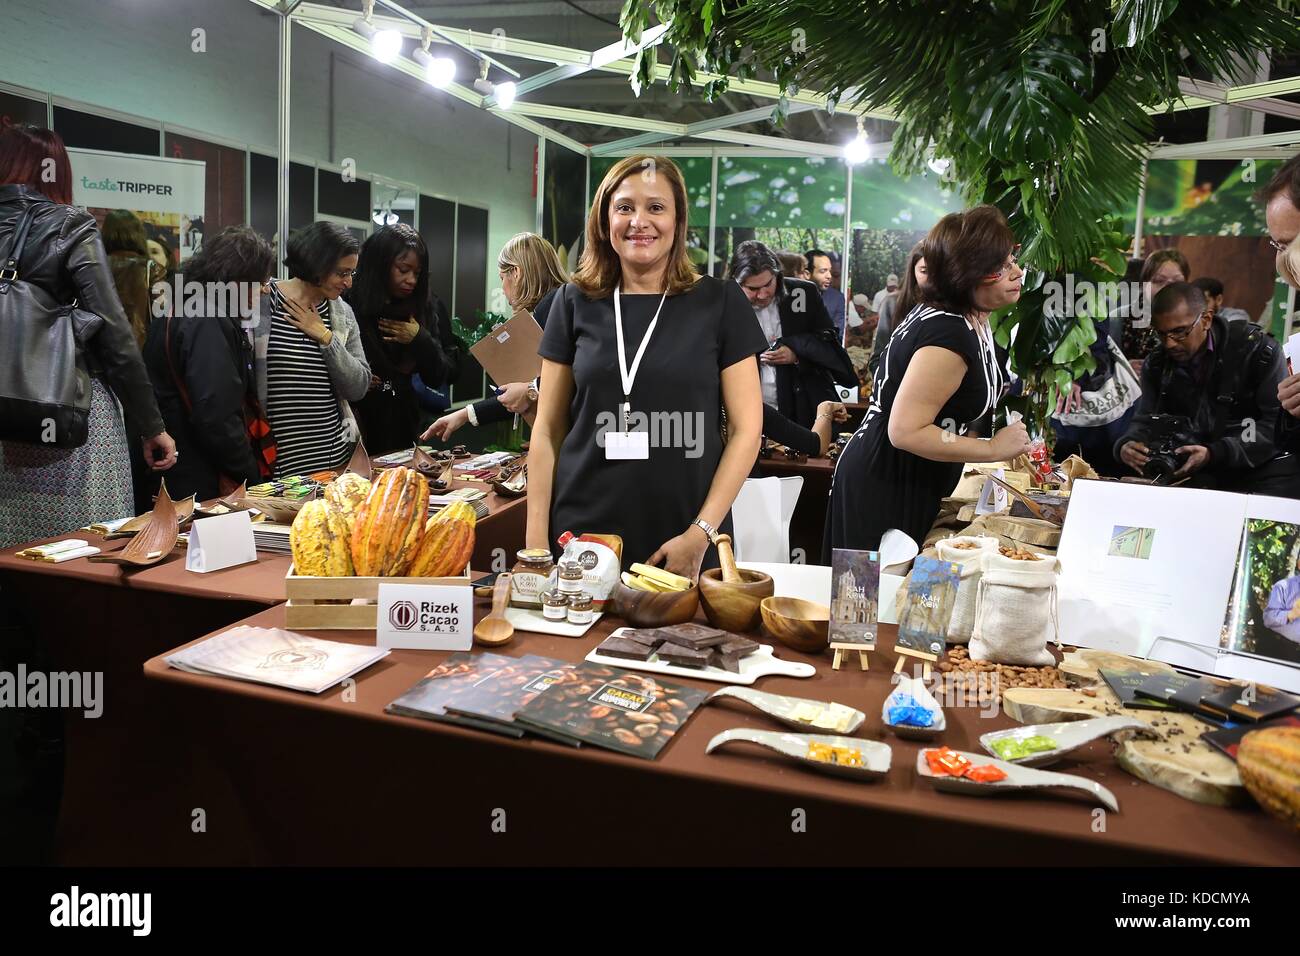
{"x":1162,"y":434}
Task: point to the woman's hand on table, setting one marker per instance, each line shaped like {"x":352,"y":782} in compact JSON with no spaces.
{"x":683,"y":554}
{"x":446,"y":426}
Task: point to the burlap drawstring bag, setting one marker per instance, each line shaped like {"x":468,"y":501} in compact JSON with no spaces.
{"x":1015,"y":611}
{"x":971,"y":560}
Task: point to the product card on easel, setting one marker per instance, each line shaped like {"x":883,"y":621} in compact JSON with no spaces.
{"x":220,"y":542}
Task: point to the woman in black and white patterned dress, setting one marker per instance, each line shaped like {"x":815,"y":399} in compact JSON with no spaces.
{"x":309,"y":359}
{"x":939,"y":374}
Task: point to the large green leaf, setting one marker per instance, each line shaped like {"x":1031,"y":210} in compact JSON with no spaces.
{"x":1136,"y":20}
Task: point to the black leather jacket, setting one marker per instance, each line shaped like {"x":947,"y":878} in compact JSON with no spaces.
{"x":65,"y":256}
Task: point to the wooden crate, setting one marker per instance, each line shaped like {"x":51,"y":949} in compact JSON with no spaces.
{"x":306,"y":609}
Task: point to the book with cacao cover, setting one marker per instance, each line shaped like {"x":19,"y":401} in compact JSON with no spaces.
{"x":1249,"y":702}
{"x":504,"y":687}
{"x":454,"y":678}
{"x":1229,"y":739}
{"x":630,"y":712}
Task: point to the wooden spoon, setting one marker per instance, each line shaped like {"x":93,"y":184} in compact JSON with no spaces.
{"x":727,"y":558}
{"x":494,"y":630}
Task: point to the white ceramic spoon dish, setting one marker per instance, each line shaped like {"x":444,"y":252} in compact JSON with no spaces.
{"x":787,"y":710}
{"x":1067,"y":735}
{"x":875,"y":755}
{"x":1018,"y":778}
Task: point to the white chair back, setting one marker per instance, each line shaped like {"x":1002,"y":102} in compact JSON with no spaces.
{"x":760,"y":518}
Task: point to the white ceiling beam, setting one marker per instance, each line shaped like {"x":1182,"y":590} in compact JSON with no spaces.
{"x":693,"y":129}
{"x":602,"y":57}
{"x":1246,"y":147}
{"x":1227,"y":96}
{"x":354,"y":41}
{"x":803,"y":147}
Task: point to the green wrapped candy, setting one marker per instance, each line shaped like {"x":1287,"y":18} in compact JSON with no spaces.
{"x":1009,"y":748}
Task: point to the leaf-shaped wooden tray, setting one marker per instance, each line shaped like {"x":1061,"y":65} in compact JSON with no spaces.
{"x":184,"y":512}
{"x":511,"y":482}
{"x":873,"y":755}
{"x":155,"y":541}
{"x":437,"y":470}
{"x":360,"y":461}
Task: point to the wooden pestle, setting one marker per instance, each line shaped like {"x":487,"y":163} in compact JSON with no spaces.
{"x":728,"y":560}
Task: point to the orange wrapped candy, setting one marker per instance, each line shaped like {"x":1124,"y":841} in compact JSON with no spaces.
{"x":986,"y":774}
{"x":944,"y":761}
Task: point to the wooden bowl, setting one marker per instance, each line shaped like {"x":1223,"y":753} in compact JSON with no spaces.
{"x":734,"y":607}
{"x":798,"y":624}
{"x":644,"y":609}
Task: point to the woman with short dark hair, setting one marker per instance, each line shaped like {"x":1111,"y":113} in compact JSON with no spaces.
{"x":395,"y":314}
{"x":308,"y":357}
{"x":47,"y":490}
{"x":939,"y":375}
{"x":201,"y":364}
{"x":134,"y":273}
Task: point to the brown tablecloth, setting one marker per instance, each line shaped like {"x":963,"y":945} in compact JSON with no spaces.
{"x":328,"y":778}
{"x":124,"y":768}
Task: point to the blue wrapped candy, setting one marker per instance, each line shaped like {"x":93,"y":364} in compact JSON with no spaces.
{"x":906,"y":712}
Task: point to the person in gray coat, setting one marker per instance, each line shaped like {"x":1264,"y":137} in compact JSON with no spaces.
{"x":308,"y":359}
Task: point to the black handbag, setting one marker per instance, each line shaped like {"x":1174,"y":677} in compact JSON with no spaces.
{"x":44,"y":383}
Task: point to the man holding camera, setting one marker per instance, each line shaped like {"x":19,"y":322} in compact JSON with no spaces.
{"x":1209,"y":403}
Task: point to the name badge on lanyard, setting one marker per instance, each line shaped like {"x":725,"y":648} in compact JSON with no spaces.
{"x":627,"y":445}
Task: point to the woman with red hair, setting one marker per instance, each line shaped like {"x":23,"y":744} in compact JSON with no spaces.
{"x":47,"y":490}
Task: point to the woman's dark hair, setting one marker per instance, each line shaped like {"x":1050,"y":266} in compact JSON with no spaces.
{"x":27,"y":156}
{"x":750,"y":258}
{"x":314,"y":251}
{"x":370,"y":295}
{"x":961,"y":251}
{"x":161,"y":239}
{"x":1158,"y":258}
{"x":910,"y":292}
{"x":235,"y":254}
{"x":124,"y":232}
{"x":1209,"y":285}
{"x":792,"y":263}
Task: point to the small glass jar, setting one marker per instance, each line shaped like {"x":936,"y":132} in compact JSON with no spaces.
{"x":555,"y":605}
{"x":570,"y":577}
{"x":581,"y":608}
{"x":530,"y":577}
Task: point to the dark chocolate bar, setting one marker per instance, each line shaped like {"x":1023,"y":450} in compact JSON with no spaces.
{"x":739,"y":646}
{"x":694,"y":635}
{"x":628,"y":650}
{"x":684,"y":656}
{"x":647,"y":637}
{"x":728,"y":662}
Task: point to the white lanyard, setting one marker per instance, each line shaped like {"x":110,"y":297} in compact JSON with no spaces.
{"x":629,"y":376}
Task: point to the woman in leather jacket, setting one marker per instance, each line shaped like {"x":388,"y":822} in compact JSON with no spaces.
{"x":46,"y":491}
{"x":201,"y":363}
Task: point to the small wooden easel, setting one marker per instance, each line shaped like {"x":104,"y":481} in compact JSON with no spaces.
{"x":843,"y":650}
{"x":926,"y":659}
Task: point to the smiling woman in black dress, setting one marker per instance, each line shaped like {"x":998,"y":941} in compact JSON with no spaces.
{"x":689,"y":346}
{"x":939,"y":374}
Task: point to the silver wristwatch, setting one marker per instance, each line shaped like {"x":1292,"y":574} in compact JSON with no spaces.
{"x":708,"y":529}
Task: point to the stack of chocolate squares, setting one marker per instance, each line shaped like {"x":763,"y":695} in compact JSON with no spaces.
{"x":684,"y":645}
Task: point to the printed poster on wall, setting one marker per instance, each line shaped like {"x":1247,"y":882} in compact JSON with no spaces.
{"x":167,"y":194}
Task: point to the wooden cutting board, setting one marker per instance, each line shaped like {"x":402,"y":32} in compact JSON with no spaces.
{"x":1179,"y":761}
{"x":1082,"y":666}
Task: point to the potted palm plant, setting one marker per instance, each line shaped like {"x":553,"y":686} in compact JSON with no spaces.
{"x":1040,"y":107}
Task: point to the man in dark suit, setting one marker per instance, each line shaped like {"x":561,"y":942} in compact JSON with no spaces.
{"x":805,"y":359}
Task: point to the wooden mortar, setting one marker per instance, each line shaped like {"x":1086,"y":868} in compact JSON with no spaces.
{"x":731,"y":596}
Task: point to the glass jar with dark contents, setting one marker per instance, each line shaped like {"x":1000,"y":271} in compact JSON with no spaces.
{"x":581,"y":608}
{"x":530,"y":577}
{"x":555,"y":605}
{"x":570,"y":577}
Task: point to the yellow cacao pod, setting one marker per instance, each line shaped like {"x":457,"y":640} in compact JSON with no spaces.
{"x":390,"y":522}
{"x":319,"y":541}
{"x":1269,"y":763}
{"x":347,"y":492}
{"x":447,"y":543}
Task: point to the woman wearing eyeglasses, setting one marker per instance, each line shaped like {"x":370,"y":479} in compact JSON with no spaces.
{"x":309,"y":358}
{"x":939,"y":375}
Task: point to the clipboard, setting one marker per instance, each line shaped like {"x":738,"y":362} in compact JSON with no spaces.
{"x":509,"y":352}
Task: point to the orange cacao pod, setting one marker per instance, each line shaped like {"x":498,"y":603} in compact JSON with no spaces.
{"x":447,"y":543}
{"x":1269,"y":763}
{"x":390,"y":522}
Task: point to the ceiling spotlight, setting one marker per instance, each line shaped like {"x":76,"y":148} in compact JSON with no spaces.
{"x":505,"y":93}
{"x":857,"y":150}
{"x":386,"y":45}
{"x":439,"y":71}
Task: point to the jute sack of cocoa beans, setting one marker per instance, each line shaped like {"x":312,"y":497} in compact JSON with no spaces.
{"x":968,"y":552}
{"x":1015,"y":609}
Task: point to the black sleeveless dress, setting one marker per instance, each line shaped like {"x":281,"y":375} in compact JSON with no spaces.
{"x":877,"y":486}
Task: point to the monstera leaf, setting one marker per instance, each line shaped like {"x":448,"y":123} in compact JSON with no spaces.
{"x":1023,"y":104}
{"x":1135,"y":20}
